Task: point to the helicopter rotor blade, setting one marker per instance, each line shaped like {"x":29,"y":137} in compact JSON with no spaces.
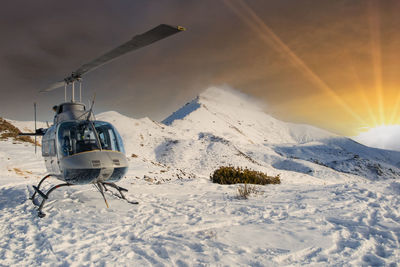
{"x":53,"y":86}
{"x":160,"y":32}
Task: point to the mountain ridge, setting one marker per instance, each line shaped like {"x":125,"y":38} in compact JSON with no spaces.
{"x":223,"y":127}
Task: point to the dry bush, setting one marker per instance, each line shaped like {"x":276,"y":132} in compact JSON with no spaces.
{"x":7,"y":130}
{"x":244,"y":191}
{"x":232,"y":175}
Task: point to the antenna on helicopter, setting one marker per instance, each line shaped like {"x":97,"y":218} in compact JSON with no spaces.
{"x":80,"y":90}
{"x":65,"y":92}
{"x":34,"y":107}
{"x":38,"y":132}
{"x":91,"y":107}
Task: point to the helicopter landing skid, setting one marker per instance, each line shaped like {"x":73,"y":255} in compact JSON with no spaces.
{"x":41,"y":214}
{"x":120,"y":190}
{"x":37,"y":188}
{"x":101,"y":186}
{"x":43,"y":195}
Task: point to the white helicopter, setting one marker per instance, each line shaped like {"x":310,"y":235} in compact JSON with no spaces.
{"x":78,"y":149}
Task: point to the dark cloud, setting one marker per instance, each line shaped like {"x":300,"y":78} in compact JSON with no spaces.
{"x":43,"y":41}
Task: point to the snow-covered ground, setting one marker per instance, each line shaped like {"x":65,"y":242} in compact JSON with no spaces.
{"x":338,"y":203}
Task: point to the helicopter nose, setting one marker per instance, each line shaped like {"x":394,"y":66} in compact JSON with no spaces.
{"x":106,"y":162}
{"x":95,"y":159}
{"x":94,"y":166}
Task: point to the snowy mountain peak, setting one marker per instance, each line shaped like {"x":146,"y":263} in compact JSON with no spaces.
{"x":239,"y":117}
{"x":183,"y":111}
{"x":216,"y":97}
{"x":229,"y":97}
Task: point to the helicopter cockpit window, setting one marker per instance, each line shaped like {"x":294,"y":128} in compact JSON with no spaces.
{"x":76,"y":137}
{"x":108,"y":136}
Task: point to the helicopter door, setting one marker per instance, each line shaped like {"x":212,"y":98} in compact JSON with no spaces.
{"x":46,"y":155}
{"x":53,"y":157}
{"x":49,"y":151}
{"x":109,"y":137}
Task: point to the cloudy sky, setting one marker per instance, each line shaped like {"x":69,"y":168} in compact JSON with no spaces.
{"x":333,"y":64}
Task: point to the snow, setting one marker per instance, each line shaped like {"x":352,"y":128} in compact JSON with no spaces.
{"x":338,"y":203}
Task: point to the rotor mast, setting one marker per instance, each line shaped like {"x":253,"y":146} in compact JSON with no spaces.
{"x":73,"y":92}
{"x":67,"y":82}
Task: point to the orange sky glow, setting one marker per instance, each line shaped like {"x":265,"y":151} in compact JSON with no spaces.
{"x":354,"y":80}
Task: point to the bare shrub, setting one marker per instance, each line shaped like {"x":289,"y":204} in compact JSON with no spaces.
{"x":244,"y":191}
{"x":232,"y":175}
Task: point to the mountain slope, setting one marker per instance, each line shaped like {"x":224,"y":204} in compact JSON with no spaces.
{"x":224,"y":127}
{"x":239,"y":118}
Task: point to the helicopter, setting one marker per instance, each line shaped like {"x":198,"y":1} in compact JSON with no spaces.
{"x":78,"y":149}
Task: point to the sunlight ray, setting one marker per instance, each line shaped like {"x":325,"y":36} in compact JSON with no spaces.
{"x":395,"y":110}
{"x":361,"y":92}
{"x":374,"y":25}
{"x":268,"y":36}
{"x":396,"y":121}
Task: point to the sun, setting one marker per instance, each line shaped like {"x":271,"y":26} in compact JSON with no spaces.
{"x":382,"y":136}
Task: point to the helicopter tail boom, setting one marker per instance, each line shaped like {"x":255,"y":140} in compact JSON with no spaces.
{"x":39,"y":132}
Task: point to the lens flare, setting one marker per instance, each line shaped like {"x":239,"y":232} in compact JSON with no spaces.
{"x":252,"y":20}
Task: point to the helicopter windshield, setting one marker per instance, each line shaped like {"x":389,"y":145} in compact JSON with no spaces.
{"x":79,"y":136}
{"x":108,"y":136}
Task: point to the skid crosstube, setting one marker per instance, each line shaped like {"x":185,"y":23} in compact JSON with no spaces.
{"x":38,"y":186}
{"x":44,"y":196}
{"x":37,"y":190}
